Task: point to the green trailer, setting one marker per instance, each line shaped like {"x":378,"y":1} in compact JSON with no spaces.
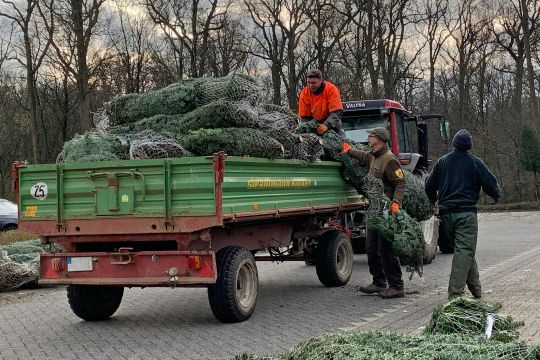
{"x":193,"y":221}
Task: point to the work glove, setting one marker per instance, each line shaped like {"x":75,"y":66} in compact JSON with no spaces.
{"x":345,"y":148}
{"x":321,"y":129}
{"x":394,"y":208}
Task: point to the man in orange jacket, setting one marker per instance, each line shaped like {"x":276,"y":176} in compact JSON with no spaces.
{"x":321,"y":100}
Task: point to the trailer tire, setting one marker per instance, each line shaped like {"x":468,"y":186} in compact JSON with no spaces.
{"x":234,"y":295}
{"x":94,"y":302}
{"x":334,"y":259}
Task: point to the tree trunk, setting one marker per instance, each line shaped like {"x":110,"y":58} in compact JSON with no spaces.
{"x":292,"y":76}
{"x":84,"y":107}
{"x":431,"y":86}
{"x":530,"y":70}
{"x":32,"y":112}
{"x":276,"y":84}
{"x":536,"y":185}
{"x":32,"y":101}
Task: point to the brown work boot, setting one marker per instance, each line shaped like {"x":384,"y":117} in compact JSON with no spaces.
{"x":371,"y":288}
{"x":391,"y":293}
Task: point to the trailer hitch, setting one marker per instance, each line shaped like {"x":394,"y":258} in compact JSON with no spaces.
{"x":122,"y":257}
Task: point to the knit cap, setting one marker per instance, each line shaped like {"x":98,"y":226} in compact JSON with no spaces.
{"x":462,"y":140}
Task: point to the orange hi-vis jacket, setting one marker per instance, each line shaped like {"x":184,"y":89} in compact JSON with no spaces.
{"x":320,"y":105}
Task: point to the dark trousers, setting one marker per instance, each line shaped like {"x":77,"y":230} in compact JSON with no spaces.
{"x":463,"y":227}
{"x":383,"y":264}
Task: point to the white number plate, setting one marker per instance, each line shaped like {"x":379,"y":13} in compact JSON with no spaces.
{"x":79,"y":263}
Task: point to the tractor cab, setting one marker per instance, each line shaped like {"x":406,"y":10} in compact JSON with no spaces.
{"x":360,"y":116}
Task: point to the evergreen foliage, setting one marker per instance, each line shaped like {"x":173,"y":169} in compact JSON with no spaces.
{"x":529,"y":154}
{"x":234,"y":141}
{"x":468,"y":317}
{"x":93,"y":146}
{"x":456,"y":332}
{"x":529,"y":150}
{"x":19,"y":263}
{"x":379,"y":345}
{"x":177,"y":98}
{"x":181,"y":97}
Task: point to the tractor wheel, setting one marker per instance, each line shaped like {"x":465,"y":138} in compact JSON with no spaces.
{"x":94,"y":302}
{"x":234,"y":295}
{"x":334,"y":259}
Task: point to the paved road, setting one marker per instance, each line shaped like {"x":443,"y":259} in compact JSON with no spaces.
{"x":292,"y":306}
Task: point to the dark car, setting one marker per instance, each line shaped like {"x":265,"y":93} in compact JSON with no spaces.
{"x":8,"y":215}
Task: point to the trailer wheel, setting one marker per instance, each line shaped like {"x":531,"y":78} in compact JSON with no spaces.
{"x":94,"y":302}
{"x":234,"y":295}
{"x":334,"y":259}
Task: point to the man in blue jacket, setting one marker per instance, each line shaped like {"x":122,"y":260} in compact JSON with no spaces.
{"x":455,"y":182}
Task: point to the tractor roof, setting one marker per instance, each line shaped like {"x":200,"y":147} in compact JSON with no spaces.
{"x":378,"y":104}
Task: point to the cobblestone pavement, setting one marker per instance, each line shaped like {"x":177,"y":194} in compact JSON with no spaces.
{"x":292,"y":306}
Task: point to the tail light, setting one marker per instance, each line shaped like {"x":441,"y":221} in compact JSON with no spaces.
{"x":194,"y":262}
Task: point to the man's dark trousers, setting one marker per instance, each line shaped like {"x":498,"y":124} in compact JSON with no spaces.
{"x":383,"y":264}
{"x":463,"y":227}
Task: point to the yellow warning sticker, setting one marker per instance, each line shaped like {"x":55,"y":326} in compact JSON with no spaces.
{"x":399,"y":173}
{"x":30,"y":211}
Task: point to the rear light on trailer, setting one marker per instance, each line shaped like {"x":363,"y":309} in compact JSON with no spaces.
{"x":58,"y":264}
{"x":404,"y":161}
{"x":194,"y":262}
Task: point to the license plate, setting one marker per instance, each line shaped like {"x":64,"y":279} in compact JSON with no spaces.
{"x":79,"y":263}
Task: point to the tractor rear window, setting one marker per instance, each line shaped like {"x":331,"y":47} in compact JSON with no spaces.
{"x":356,"y":126}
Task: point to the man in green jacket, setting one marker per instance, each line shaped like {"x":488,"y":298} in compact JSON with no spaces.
{"x":455,"y":182}
{"x":383,"y":265}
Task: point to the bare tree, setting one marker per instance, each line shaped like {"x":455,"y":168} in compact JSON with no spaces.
{"x":269,"y":39}
{"x":435,"y":16}
{"x":530,"y":23}
{"x":330,"y":21}
{"x":131,"y":38}
{"x":77,"y":24}
{"x":351,"y":59}
{"x":189,"y":25}
{"x":386,"y":30}
{"x":511,"y":38}
{"x":229,"y":47}
{"x":15,"y":134}
{"x":395,"y":16}
{"x":5,"y":47}
{"x":31,"y":48}
{"x":294,"y":23}
{"x":468,"y":37}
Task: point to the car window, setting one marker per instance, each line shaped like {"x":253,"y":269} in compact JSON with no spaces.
{"x":7,"y":207}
